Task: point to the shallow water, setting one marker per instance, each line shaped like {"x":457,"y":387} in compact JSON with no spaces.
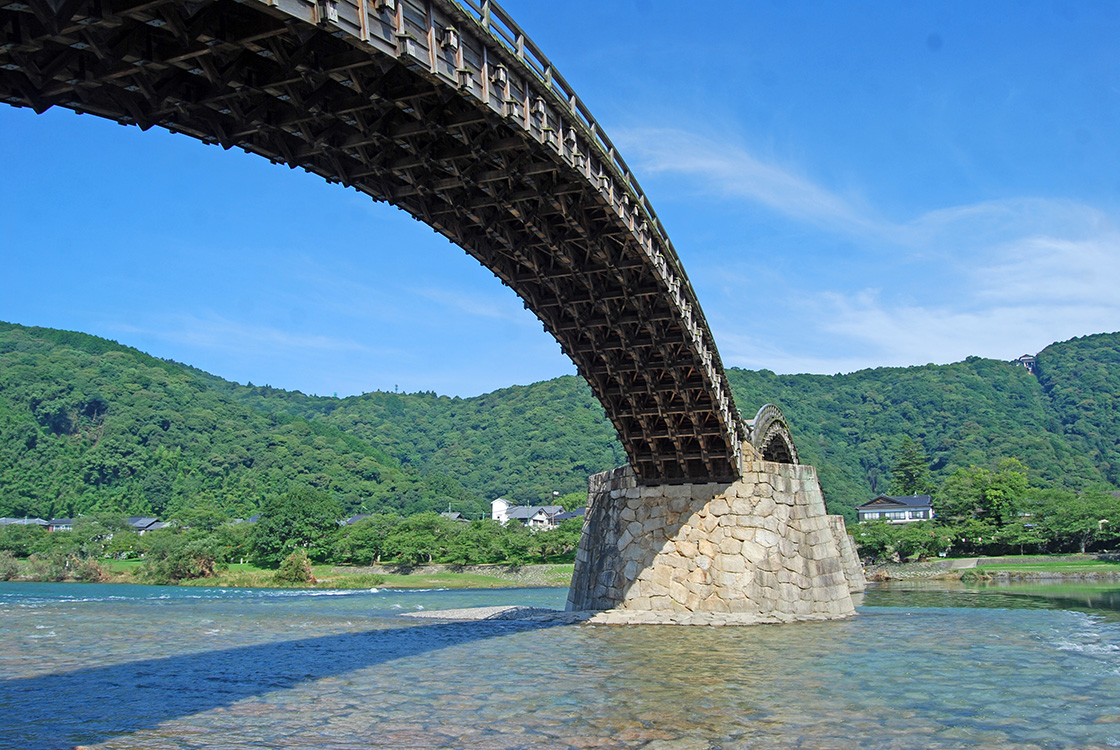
{"x":921,"y":667}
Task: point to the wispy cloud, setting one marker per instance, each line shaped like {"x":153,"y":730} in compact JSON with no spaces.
{"x":1012,"y":299}
{"x":994,"y":278}
{"x":730,"y":170}
{"x":216,"y":332}
{"x":477,"y":305}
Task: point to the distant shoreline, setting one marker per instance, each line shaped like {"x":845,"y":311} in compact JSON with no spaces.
{"x":342,"y":577}
{"x":1087,"y":567}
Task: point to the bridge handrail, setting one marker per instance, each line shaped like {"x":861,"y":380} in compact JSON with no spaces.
{"x":500,"y":26}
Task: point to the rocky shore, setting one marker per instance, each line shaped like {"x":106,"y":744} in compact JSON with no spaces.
{"x":609,"y":617}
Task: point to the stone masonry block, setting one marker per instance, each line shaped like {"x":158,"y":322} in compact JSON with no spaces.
{"x":730,"y":546}
{"x":753,"y":551}
{"x":624,"y":540}
{"x":731,"y":563}
{"x":741,"y":506}
{"x":766,"y":538}
{"x":761,"y":544}
{"x":742,"y":533}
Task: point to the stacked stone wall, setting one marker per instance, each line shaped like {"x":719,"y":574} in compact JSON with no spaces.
{"x":853,"y":568}
{"x":761,"y":548}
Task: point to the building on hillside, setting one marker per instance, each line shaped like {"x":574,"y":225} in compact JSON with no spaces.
{"x":902,"y":509}
{"x":144,"y":524}
{"x":60,"y":524}
{"x":568,"y":515}
{"x":454,"y":515}
{"x":533,"y":516}
{"x":23,"y":522}
{"x":1028,"y":361}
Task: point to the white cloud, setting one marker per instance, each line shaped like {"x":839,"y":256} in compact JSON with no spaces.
{"x":1013,"y":299}
{"x":216,"y":332}
{"x":995,"y":278}
{"x":728,"y":169}
{"x":478,"y":306}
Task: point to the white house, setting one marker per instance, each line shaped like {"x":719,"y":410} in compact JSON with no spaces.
{"x":533,"y":516}
{"x":903,"y":509}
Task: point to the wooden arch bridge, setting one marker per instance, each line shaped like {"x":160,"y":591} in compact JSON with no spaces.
{"x":450,"y":112}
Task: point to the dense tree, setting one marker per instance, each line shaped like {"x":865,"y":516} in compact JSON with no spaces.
{"x":175,"y":556}
{"x":1076,"y":522}
{"x":979,"y":494}
{"x":22,"y":540}
{"x":910,"y":473}
{"x":295,"y":568}
{"x":363,"y":542}
{"x":88,"y":425}
{"x":1081,"y":379}
{"x":419,"y":539}
{"x":303,"y":518}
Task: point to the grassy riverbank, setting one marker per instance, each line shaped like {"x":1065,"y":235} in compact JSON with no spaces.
{"x":399,"y":577}
{"x":1012,"y":567}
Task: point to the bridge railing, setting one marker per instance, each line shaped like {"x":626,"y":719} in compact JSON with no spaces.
{"x":424,"y":35}
{"x":495,"y":20}
{"x":501,"y":27}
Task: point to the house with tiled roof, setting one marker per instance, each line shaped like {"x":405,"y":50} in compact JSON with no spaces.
{"x":533,"y":516}
{"x":144,"y":524}
{"x":896,"y":509}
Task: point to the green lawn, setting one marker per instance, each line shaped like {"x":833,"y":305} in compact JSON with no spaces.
{"x":452,"y":580}
{"x":338,"y":577}
{"x":121,"y":566}
{"x":1043,"y":564}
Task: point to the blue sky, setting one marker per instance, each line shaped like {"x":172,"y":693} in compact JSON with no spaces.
{"x":849,"y":185}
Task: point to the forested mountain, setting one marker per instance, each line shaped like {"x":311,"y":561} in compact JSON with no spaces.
{"x":1081,"y":378}
{"x":87,"y":424}
{"x":523,"y":442}
{"x":973,"y":412}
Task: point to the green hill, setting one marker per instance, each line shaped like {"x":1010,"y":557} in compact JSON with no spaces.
{"x":973,"y":412}
{"x":524,"y":442}
{"x":86,"y":423}
{"x":1081,"y":379}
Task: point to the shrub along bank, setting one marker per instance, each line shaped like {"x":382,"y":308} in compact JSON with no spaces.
{"x":295,"y":531}
{"x":989,"y":512}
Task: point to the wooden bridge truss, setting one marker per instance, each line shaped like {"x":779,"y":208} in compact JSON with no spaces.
{"x":448,"y":111}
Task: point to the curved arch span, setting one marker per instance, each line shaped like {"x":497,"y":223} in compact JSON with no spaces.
{"x":770,"y":436}
{"x":448,"y":111}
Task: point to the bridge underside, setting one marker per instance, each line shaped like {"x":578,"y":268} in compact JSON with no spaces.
{"x":458,"y":135}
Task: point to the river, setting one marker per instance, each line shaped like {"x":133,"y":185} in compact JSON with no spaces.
{"x":933,"y":666}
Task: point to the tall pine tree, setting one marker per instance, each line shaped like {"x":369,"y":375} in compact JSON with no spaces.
{"x":910,"y":473}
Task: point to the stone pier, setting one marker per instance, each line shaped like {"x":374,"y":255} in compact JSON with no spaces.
{"x":760,"y":549}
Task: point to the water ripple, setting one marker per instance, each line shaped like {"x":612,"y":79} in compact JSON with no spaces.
{"x":176,"y":668}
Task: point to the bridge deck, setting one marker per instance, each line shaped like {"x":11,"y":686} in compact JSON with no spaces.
{"x":448,"y":111}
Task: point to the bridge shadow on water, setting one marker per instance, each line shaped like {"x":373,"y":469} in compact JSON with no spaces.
{"x":94,"y":704}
